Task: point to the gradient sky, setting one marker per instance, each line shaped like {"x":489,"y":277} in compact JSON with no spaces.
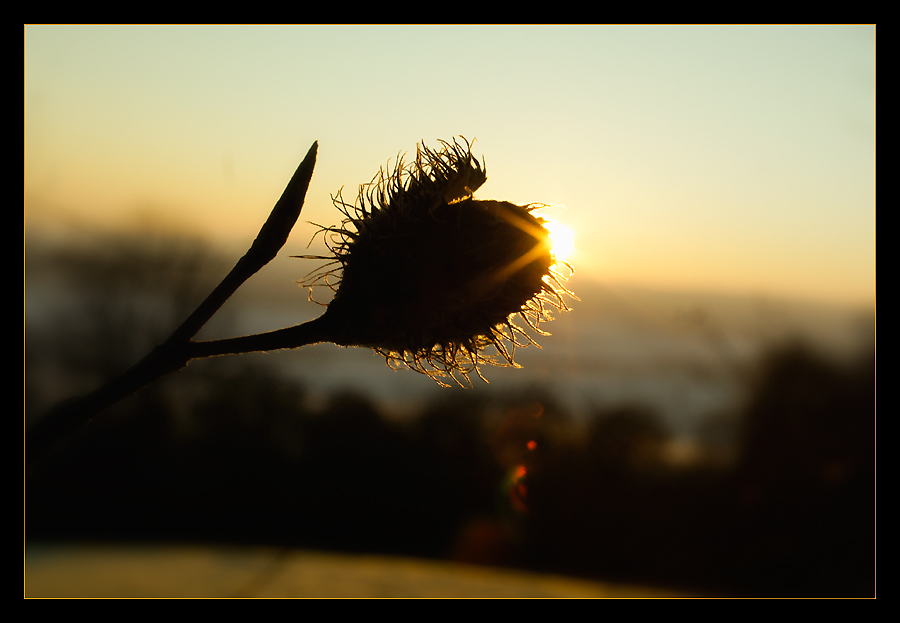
{"x":736,"y":159}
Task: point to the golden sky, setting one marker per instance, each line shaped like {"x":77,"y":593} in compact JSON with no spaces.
{"x":737,"y":159}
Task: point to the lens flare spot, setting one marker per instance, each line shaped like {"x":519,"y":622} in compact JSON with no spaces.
{"x":518,"y":491}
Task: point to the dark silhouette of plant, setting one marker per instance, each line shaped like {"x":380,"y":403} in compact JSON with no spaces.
{"x":429,"y":277}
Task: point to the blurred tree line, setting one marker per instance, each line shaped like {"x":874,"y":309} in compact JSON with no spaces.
{"x":230,"y":451}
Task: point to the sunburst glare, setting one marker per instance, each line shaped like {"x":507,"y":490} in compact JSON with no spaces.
{"x":562,"y":240}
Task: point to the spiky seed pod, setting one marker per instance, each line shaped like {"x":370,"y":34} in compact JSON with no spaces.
{"x":430,"y":277}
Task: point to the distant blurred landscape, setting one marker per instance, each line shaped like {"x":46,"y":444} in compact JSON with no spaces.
{"x":711,"y":442}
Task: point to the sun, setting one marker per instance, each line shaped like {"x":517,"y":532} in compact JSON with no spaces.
{"x":562,"y":240}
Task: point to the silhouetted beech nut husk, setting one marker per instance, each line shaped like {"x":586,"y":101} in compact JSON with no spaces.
{"x":430,"y":277}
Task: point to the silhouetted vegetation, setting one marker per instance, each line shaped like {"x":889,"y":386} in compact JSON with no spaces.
{"x":229,"y":451}
{"x":795,"y":515}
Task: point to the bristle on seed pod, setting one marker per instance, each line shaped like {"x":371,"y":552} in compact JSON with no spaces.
{"x":430,"y":277}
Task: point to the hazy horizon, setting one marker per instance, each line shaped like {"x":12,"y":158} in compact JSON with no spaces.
{"x":686,"y":354}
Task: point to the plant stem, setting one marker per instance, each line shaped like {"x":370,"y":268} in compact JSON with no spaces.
{"x":271,"y":238}
{"x":71,"y":415}
{"x":173,"y":354}
{"x":311,"y":332}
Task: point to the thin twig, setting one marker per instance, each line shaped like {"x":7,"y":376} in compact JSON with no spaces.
{"x":312,"y":332}
{"x":178,"y":349}
{"x":268,"y":243}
